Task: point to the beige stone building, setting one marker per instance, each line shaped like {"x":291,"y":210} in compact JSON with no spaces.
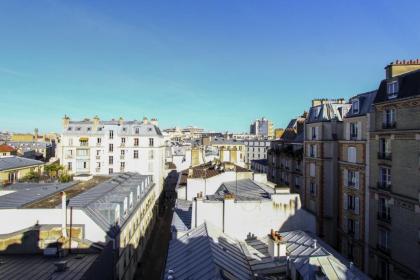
{"x":394,"y":151}
{"x":323,"y":129}
{"x":352,"y":184}
{"x":285,"y":158}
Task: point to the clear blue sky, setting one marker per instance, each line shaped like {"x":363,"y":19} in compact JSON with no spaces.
{"x":213,"y":64}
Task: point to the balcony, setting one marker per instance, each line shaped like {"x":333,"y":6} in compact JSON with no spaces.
{"x":98,"y":157}
{"x":351,"y":184}
{"x":386,"y":186}
{"x":98,"y":144}
{"x":122,"y":157}
{"x":122,"y":145}
{"x":384,"y":217}
{"x":384,"y":155}
{"x":389,"y":125}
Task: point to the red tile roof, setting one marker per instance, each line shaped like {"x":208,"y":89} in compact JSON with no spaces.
{"x":6,"y":148}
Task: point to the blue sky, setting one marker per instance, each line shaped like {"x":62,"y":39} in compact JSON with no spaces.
{"x":213,"y":64}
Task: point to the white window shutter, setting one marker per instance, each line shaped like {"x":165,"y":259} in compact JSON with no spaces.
{"x":359,"y":130}
{"x":317,"y":133}
{"x":356,"y":205}
{"x":315,"y":150}
{"x":345,"y":177}
{"x":347,"y":131}
{"x":356,"y":230}
{"x":345,"y":201}
{"x":309,"y":133}
{"x":357,"y":177}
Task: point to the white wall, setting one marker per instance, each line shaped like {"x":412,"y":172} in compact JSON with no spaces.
{"x":242,"y":218}
{"x":24,"y":218}
{"x":209,"y":186}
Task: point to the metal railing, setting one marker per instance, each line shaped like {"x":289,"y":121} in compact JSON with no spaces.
{"x":387,"y":125}
{"x":384,"y":186}
{"x":384,"y":155}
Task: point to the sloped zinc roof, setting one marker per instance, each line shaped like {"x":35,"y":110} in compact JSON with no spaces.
{"x":206,"y":253}
{"x":14,"y":162}
{"x":245,"y":189}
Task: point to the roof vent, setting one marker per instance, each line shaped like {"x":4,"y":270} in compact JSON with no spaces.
{"x":60,"y":266}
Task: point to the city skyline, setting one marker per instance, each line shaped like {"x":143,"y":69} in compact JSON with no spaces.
{"x":215,"y":65}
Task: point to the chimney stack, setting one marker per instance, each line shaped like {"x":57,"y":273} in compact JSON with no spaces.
{"x":276,"y":245}
{"x":66,"y":121}
{"x":400,"y":67}
{"x":64,"y":210}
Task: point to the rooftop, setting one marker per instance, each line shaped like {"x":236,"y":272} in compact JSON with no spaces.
{"x":181,"y":220}
{"x":245,"y":189}
{"x":6,"y":148}
{"x":38,"y":267}
{"x":13,"y":162}
{"x":206,"y":253}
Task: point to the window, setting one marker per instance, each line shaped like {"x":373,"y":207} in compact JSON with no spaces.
{"x":70,"y":142}
{"x":111,"y":134}
{"x":151,"y":154}
{"x":384,"y":210}
{"x":136,"y":154}
{"x":82,"y":152}
{"x":69,"y":166}
{"x":389,"y":118}
{"x":111,"y":160}
{"x":122,"y":166}
{"x":89,"y":129}
{"x":354,"y":131}
{"x":351,"y":202}
{"x":385,"y":148}
{"x":355,"y":106}
{"x":123,"y":140}
{"x":392,"y":89}
{"x":98,"y":152}
{"x":385,"y":173}
{"x":98,"y":140}
{"x":136,"y":142}
{"x":110,"y":170}
{"x":313,"y":131}
{"x":383,"y":238}
{"x":350,"y":226}
{"x":351,"y":154}
{"x":297,"y":185}
{"x":312,"y":150}
{"x":78,"y":128}
{"x":111,"y":147}
{"x":137,"y":130}
{"x":122,"y":153}
{"x":98,"y":165}
{"x":312,"y":188}
{"x":151,"y":142}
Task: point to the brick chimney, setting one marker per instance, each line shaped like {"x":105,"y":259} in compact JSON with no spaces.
{"x":276,"y":245}
{"x":400,"y":67}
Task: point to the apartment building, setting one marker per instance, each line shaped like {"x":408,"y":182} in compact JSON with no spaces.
{"x":97,"y":147}
{"x":394,"y":151}
{"x":262,"y":127}
{"x":353,"y":180}
{"x":256,"y":149}
{"x":230,"y":150}
{"x":323,"y":129}
{"x":285,"y":158}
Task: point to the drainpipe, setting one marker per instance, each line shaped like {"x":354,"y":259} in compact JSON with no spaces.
{"x":64,"y":212}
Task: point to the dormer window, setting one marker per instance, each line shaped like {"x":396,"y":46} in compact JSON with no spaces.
{"x":392,"y":89}
{"x":355,"y":106}
{"x":316,"y":113}
{"x":78,"y":128}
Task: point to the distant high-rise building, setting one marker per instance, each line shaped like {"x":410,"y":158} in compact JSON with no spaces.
{"x":262,"y":127}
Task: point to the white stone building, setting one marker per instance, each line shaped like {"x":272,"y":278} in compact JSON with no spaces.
{"x":96,"y":147}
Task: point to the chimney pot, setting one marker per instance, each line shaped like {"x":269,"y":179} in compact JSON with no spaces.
{"x":315,"y":243}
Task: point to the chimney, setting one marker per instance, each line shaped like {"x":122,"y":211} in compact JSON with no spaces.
{"x":276,"y":245}
{"x":154,"y":122}
{"x":314,"y":245}
{"x":95,"y":122}
{"x":120,"y":121}
{"x":64,"y":210}
{"x":145,"y":120}
{"x":66,"y":121}
{"x":400,"y":67}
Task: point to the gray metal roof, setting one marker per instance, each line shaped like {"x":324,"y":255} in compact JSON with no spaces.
{"x":101,"y":201}
{"x":181,"y":220}
{"x":206,"y":253}
{"x":306,"y":257}
{"x":365,"y":104}
{"x":26,"y":193}
{"x":245,"y":189}
{"x":85,"y":128}
{"x":38,"y":267}
{"x":29,"y":145}
{"x":12,"y":162}
{"x":327,"y":112}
